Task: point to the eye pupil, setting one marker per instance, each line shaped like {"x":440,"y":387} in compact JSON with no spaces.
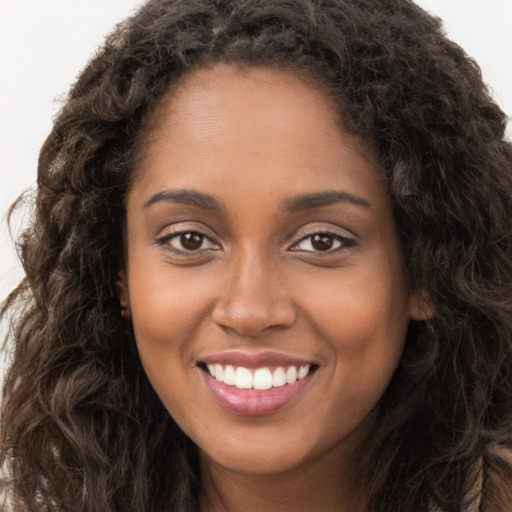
{"x":322,"y":242}
{"x":191,"y":241}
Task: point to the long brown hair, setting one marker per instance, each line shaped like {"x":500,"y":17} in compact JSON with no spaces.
{"x":82,"y":429}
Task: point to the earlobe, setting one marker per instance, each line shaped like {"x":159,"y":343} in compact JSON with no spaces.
{"x":420,"y":306}
{"x":122,"y":294}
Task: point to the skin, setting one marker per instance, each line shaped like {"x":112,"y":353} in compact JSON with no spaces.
{"x":255,"y":140}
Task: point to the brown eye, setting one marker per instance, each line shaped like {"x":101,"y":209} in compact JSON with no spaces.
{"x":188,"y":241}
{"x":191,"y":241}
{"x":322,"y":242}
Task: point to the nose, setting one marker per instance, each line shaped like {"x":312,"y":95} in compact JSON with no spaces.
{"x":253,"y":299}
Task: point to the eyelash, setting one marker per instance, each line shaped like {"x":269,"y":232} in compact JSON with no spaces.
{"x":344,"y":242}
{"x":166,"y":240}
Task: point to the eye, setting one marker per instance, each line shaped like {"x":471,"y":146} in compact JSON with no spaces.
{"x":188,"y":241}
{"x":322,"y":242}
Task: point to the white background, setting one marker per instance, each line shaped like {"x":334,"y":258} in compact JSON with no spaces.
{"x":45,"y":43}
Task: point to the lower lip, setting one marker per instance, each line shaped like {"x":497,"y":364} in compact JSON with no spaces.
{"x":251,"y":402}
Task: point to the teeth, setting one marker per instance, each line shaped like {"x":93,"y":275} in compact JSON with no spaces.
{"x":243,"y":378}
{"x":229,"y":375}
{"x":303,"y":371}
{"x":260,"y":379}
{"x":279,"y":378}
{"x":291,"y":375}
{"x":219,"y":372}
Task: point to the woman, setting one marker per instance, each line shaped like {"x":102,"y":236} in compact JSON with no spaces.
{"x":270,"y":268}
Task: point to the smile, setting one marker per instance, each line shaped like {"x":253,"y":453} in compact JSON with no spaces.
{"x":260,"y":379}
{"x":255,"y":385}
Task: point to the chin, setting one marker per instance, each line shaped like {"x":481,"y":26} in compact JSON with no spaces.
{"x":255,"y":461}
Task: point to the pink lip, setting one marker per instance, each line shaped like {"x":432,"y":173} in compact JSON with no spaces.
{"x":251,"y":402}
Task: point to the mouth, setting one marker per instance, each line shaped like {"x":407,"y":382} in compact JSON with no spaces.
{"x":256,"y":386}
{"x":260,"y":379}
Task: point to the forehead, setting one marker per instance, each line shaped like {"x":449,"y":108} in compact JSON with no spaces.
{"x":266,"y":124}
{"x":221,"y":86}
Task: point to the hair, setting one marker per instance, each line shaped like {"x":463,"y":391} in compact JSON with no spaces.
{"x":82,"y":429}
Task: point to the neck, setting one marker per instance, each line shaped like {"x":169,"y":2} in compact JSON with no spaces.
{"x":322,"y":486}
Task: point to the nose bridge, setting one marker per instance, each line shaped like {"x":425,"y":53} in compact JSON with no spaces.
{"x":254,"y":298}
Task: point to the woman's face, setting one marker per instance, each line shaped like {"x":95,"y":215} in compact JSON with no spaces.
{"x":262,"y":250}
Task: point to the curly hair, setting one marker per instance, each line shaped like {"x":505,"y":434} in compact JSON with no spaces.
{"x":82,"y":429}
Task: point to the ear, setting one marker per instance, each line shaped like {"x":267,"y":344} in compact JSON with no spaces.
{"x":122,"y":294}
{"x":420,"y":306}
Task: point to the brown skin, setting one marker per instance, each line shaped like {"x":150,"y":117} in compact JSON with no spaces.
{"x":254,"y":139}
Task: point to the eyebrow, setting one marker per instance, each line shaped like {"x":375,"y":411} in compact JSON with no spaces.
{"x":187,"y":197}
{"x":326,"y":198}
{"x":292,"y":204}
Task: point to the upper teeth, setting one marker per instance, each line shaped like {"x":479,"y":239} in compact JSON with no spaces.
{"x":260,"y":378}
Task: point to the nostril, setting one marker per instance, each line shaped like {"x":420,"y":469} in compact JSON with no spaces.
{"x":251,"y":320}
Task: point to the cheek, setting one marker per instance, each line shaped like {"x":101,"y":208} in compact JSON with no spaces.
{"x":166,"y":306}
{"x":362,"y":320}
{"x":166,"y":319}
{"x":357,"y":306}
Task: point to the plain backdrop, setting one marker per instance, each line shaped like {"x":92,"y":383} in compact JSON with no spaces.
{"x":45,"y":43}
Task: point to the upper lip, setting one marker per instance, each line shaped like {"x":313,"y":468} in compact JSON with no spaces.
{"x":247,"y":360}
